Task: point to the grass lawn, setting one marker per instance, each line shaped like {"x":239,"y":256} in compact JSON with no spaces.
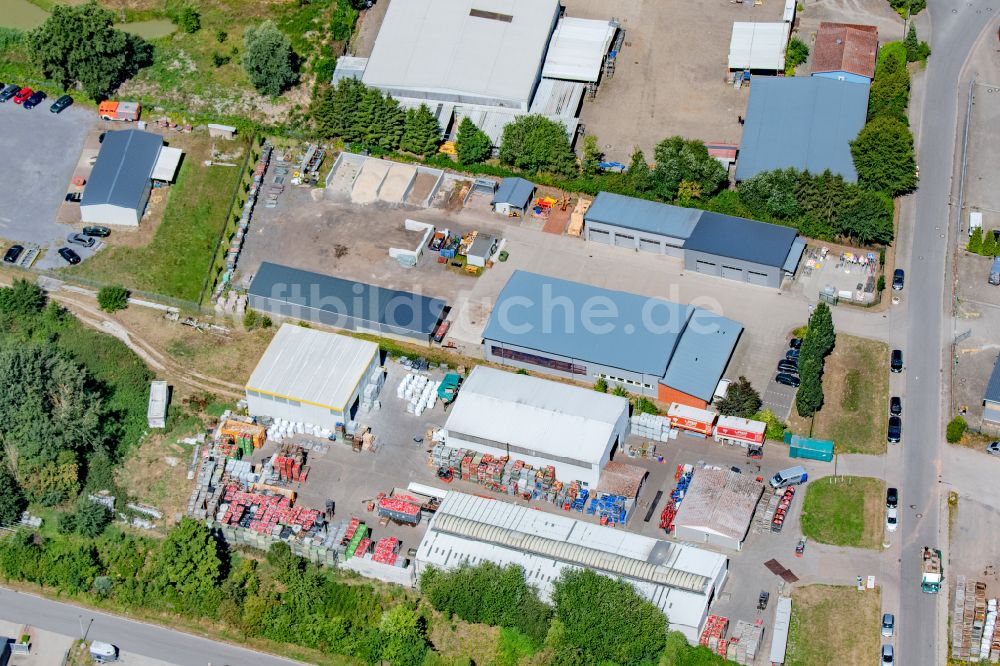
{"x":856,"y":389}
{"x":176,"y":259}
{"x":833,"y":625}
{"x":846,"y":511}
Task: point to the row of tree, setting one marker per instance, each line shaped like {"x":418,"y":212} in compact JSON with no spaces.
{"x":684,"y":170}
{"x":986,"y":244}
{"x":818,"y":342}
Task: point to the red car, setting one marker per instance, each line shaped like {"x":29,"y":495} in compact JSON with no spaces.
{"x":24,"y":94}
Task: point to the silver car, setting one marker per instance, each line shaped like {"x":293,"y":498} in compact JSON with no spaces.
{"x":888,"y":625}
{"x":993,"y":448}
{"x":80,"y":239}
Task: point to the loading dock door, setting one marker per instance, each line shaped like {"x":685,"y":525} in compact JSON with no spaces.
{"x":621,"y":240}
{"x":757,"y":278}
{"x":673,"y":251}
{"x":599,"y":236}
{"x":707,"y":267}
{"x":648,"y":245}
{"x":732,"y":273}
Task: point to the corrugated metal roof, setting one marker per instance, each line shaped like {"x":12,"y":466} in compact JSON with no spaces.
{"x":845,"y":47}
{"x":702,"y":354}
{"x":577,"y":49}
{"x":166,"y":164}
{"x":348,"y":67}
{"x":720,"y":501}
{"x":121,"y":174}
{"x":541,"y":415}
{"x":758,"y":46}
{"x":514,"y":191}
{"x":643,"y":215}
{"x":779,"y":639}
{"x":313,"y":367}
{"x":740,"y":238}
{"x":794,"y":255}
{"x":346,"y":298}
{"x":557,"y":100}
{"x":993,"y":387}
{"x":472,"y":51}
{"x":805,"y":122}
{"x":621,"y":479}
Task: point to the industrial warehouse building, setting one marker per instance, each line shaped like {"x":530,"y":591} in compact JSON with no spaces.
{"x":845,"y":51}
{"x":673,"y":352}
{"x":310,"y":376}
{"x":718,"y":508}
{"x":803,"y":122}
{"x":680,"y":580}
{"x":123,"y":175}
{"x":991,"y":398}
{"x":538,"y":421}
{"x":488,"y":60}
{"x":346,"y":304}
{"x":711,"y":243}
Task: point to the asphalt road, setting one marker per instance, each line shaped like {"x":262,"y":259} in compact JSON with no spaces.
{"x":922,"y":327}
{"x":130,"y":636}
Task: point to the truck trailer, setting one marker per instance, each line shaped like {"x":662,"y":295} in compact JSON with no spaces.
{"x":932,"y":571}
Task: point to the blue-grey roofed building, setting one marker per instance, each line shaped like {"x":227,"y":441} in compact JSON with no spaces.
{"x":673,"y":352}
{"x":991,"y":398}
{"x":353,"y":306}
{"x":119,"y":184}
{"x":513,"y":196}
{"x":743,"y":250}
{"x":802,"y":122}
{"x":638,"y":224}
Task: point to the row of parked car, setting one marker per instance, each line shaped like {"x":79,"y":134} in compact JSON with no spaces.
{"x":29,"y":98}
{"x":788,"y":367}
{"x":85,"y":239}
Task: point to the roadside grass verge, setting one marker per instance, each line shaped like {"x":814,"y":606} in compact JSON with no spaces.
{"x":833,"y":625}
{"x":844,"y":511}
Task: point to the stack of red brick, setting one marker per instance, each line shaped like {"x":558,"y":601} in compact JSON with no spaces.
{"x":386,"y":550}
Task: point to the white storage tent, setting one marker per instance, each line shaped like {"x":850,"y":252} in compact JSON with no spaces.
{"x":577,"y":49}
{"x":758,"y":46}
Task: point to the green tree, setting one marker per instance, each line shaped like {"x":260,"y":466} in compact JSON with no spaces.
{"x":821,"y":332}
{"x":188,"y":565}
{"x":797,"y":53}
{"x":688,"y":190}
{"x":22,"y":299}
{"x":868,"y":218}
{"x":112,"y":298}
{"x":809,"y":396}
{"x":742,"y":399}
{"x":342,"y":20}
{"x":889,"y":93}
{"x":472,"y":144}
{"x":268,"y":59}
{"x":535,"y":143}
{"x":630,"y":629}
{"x":79,"y":44}
{"x":679,"y":159}
{"x":189,"y":19}
{"x":775,"y":426}
{"x":990,"y":247}
{"x":908,"y":8}
{"x":422,"y":132}
{"x":883,"y":157}
{"x":91,"y":518}
{"x":821,"y":196}
{"x":592,"y":156}
{"x":392,"y":123}
{"x":956,"y":430}
{"x":976,"y":241}
{"x":772,"y":194}
{"x":601,"y":385}
{"x":619,"y":391}
{"x":404,"y":635}
{"x":639,"y":176}
{"x":678,"y":652}
{"x":12,"y":500}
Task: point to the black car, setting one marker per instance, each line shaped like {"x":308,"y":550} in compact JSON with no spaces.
{"x":99,"y":232}
{"x":787,"y":379}
{"x":12,"y":254}
{"x":895,"y":405}
{"x":795,"y":343}
{"x":60,"y":104}
{"x":35,"y":99}
{"x":788,"y":366}
{"x":897,"y":279}
{"x":9,"y":92}
{"x":69,"y":255}
{"x":74,"y":197}
{"x":891,"y":498}
{"x":895,"y":429}
{"x":792,"y":355}
{"x":896,"y":362}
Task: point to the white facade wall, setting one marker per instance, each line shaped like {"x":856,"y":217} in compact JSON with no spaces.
{"x":110,"y":214}
{"x":564,"y":471}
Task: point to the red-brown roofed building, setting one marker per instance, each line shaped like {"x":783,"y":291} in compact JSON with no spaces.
{"x":845,"y":51}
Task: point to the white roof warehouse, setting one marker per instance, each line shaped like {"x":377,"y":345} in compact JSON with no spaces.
{"x":680,"y":580}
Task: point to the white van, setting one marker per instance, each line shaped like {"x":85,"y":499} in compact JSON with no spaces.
{"x":975,"y":221}
{"x":792,"y":476}
{"x":103,"y":653}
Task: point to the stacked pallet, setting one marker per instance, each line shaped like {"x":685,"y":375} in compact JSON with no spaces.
{"x":386,"y":551}
{"x":989,"y":628}
{"x":713,"y":636}
{"x":994,"y":645}
{"x":650,"y":426}
{"x":978,"y":621}
{"x":289,"y":463}
{"x":959,"y":639}
{"x":745,"y":641}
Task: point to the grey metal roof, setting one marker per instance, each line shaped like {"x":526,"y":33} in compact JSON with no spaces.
{"x":993,"y":388}
{"x":794,"y":255}
{"x":740,"y":238}
{"x":514,"y":191}
{"x":643,"y":215}
{"x":121,"y":173}
{"x":702,"y":354}
{"x":346,"y":298}
{"x":804,"y":122}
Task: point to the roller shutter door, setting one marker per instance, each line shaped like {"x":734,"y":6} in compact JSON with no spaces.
{"x":732,"y":273}
{"x":599,"y":236}
{"x":707,"y":267}
{"x":758,"y":278}
{"x":673,"y":251}
{"x":649,"y":245}
{"x":622,"y":240}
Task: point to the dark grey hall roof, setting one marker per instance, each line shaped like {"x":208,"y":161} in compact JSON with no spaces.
{"x":993,"y":388}
{"x":121,"y":173}
{"x":514,"y":191}
{"x":400,"y":310}
{"x":742,"y":239}
{"x":805,"y":122}
{"x":642,"y":215}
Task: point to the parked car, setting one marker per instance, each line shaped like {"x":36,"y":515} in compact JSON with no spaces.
{"x":23,"y":94}
{"x":80,"y":239}
{"x":788,"y":366}
{"x":895,"y":405}
{"x":99,"y":232}
{"x":12,"y":254}
{"x":891,"y":498}
{"x":69,"y":255}
{"x":891,"y":519}
{"x":60,"y":104}
{"x":895,"y":429}
{"x":888,"y":625}
{"x":787,"y":379}
{"x":9,"y":91}
{"x":896,"y":361}
{"x":887,"y":657}
{"x":897,"y":279}
{"x":795,"y":343}
{"x":74,"y":197}
{"x":993,"y":448}
{"x":792,"y":354}
{"x":35,"y":99}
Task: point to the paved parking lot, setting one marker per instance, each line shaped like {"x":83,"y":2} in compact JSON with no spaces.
{"x":45,"y":148}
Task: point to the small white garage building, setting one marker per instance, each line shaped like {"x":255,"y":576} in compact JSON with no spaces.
{"x":311,"y":376}
{"x":718,"y":508}
{"x":538,"y":421}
